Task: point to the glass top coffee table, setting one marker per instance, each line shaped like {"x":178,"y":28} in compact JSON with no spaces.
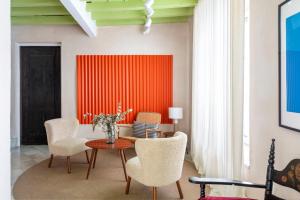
{"x":120,"y":145}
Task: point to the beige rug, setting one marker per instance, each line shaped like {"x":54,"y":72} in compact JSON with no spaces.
{"x":106,"y":181}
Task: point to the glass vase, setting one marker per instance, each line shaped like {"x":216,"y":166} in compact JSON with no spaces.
{"x":110,"y":134}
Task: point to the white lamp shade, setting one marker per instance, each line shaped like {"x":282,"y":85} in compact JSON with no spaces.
{"x":175,"y":113}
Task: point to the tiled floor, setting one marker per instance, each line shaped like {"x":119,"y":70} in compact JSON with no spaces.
{"x":25,"y":157}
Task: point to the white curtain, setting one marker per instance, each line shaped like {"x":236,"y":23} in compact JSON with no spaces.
{"x":217,"y":88}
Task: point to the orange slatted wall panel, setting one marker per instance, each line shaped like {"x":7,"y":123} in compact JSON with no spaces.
{"x":140,"y":82}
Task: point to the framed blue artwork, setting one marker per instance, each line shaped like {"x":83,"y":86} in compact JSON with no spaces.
{"x":289,"y":64}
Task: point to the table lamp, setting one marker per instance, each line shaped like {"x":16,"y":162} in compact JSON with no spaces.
{"x":175,"y":113}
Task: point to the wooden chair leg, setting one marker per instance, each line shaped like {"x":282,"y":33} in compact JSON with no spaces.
{"x":91,"y":163}
{"x":69,"y":164}
{"x":95,"y":158}
{"x":128,"y":185}
{"x":179,"y":189}
{"x":125,"y":159}
{"x":154,"y":193}
{"x":87,"y":156}
{"x":50,"y":161}
{"x":123,"y":163}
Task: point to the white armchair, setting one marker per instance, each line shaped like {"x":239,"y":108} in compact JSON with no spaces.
{"x":62,"y":141}
{"x":158,"y":162}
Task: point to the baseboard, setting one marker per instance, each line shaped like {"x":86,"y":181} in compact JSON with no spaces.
{"x":14,"y":142}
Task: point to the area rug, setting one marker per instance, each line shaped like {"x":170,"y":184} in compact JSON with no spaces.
{"x":106,"y":181}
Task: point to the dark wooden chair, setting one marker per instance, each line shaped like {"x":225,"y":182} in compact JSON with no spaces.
{"x":289,"y":177}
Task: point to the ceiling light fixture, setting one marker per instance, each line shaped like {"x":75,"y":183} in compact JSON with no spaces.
{"x":149,"y":13}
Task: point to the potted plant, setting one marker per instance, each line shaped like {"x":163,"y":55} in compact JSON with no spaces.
{"x":108,"y":122}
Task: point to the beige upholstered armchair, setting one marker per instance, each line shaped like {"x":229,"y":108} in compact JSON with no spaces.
{"x":158,"y":163}
{"x":62,"y":140}
{"x":142,"y":117}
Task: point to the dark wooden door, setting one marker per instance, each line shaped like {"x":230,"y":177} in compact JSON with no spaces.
{"x":40,"y":91}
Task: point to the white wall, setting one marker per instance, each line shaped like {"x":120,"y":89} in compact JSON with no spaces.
{"x":5,"y":100}
{"x":264,"y":98}
{"x":164,"y":39}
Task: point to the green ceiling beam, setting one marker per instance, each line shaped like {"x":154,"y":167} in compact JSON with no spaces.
{"x":139,"y":14}
{"x":138,"y":5}
{"x":140,"y":21}
{"x":31,"y":11}
{"x":174,"y":12}
{"x":107,"y":0}
{"x":42,"y":20}
{"x":35,"y":3}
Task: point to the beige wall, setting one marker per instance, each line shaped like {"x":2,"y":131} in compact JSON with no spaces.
{"x":164,"y":39}
{"x":264,"y":98}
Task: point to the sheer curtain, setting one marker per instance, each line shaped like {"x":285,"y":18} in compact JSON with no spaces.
{"x":217,"y":89}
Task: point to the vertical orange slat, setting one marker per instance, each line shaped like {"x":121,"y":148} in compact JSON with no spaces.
{"x":156,"y":83}
{"x":102,"y":84}
{"x":133,"y":70}
{"x":88,"y":67}
{"x":127,"y":83}
{"x":164,"y":82}
{"x":110,"y":92}
{"x":161,"y":94}
{"x":97,"y":85}
{"x":151,"y":83}
{"x":145,"y":83}
{"x":148,"y":84}
{"x":78,"y":88}
{"x":82,"y":86}
{"x":123,"y":81}
{"x":86,"y":86}
{"x":170,"y":88}
{"x":93,"y":83}
{"x":114,"y":76}
{"x":106,"y":84}
{"x":114,"y":84}
{"x":103,"y":87}
{"x":112,"y":100}
{"x":165,"y":89}
{"x":110,"y":110}
{"x":129,"y":64}
{"x":141,"y":94}
{"x":138,"y":83}
{"x":117,"y":71}
{"x":135,"y":82}
{"x":171,"y":83}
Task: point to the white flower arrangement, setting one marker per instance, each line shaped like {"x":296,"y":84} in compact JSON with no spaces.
{"x":108,"y":122}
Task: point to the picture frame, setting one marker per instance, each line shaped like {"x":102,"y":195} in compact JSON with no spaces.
{"x":289,"y":64}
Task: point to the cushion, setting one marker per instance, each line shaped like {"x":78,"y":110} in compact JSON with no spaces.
{"x":139,"y":129}
{"x":152,"y":134}
{"x":224,"y":198}
{"x":68,"y":146}
{"x":134,"y":169}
